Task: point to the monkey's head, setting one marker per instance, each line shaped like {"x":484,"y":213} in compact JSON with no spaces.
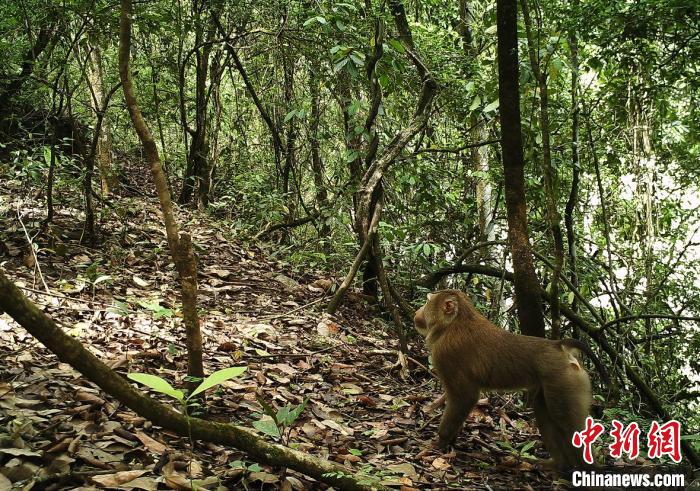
{"x":439,"y":311}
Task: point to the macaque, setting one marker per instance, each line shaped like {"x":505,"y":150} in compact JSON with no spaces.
{"x":470,"y":353}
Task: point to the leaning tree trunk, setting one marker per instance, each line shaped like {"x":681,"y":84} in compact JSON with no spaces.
{"x":527,"y":296}
{"x":180,"y":244}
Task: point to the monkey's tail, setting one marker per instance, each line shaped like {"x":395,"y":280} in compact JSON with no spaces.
{"x":575,"y":343}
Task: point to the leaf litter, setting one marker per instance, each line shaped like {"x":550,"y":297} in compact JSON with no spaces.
{"x":58,"y":431}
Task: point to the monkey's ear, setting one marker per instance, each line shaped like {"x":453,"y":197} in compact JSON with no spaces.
{"x":430,"y":295}
{"x":449,"y":307}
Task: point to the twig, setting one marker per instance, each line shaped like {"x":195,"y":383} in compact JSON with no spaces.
{"x":31,"y":246}
{"x":275,"y":316}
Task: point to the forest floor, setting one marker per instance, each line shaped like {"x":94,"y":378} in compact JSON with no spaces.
{"x":58,"y":431}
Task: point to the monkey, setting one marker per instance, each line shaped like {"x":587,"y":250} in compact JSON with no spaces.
{"x":470,"y":353}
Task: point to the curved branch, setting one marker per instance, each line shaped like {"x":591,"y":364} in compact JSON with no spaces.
{"x":629,"y":318}
{"x":431,"y":279}
{"x":347,"y":281}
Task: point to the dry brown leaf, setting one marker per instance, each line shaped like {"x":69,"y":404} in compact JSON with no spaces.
{"x":151,"y":444}
{"x":117,"y":479}
{"x":441,"y":464}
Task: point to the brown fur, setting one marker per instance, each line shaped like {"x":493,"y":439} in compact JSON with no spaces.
{"x":470,"y":353}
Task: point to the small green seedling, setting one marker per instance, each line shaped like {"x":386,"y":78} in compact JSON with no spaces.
{"x":273,"y":423}
{"x":163,"y":386}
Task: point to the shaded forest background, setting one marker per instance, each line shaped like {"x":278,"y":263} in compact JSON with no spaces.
{"x":365,"y":137}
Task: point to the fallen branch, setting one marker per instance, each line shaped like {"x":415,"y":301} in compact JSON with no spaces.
{"x":71,"y":351}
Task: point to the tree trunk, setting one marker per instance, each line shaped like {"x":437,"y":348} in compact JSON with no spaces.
{"x":550,"y":175}
{"x":527,"y":290}
{"x":317,"y":167}
{"x":180,"y":246}
{"x":571,"y":204}
{"x":370,"y":190}
{"x":207,"y":181}
{"x":477,"y":133}
{"x":10,"y":88}
{"x":103,"y":155}
{"x":291,"y":135}
{"x":198,"y":154}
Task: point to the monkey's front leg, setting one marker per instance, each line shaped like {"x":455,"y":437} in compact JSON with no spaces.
{"x":459,"y":404}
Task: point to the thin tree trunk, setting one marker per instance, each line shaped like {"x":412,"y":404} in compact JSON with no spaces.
{"x":103,"y":155}
{"x":277,"y":143}
{"x":316,"y":162}
{"x":10,"y":87}
{"x":370,"y":272}
{"x":291,"y":134}
{"x":198,"y":154}
{"x":156,"y":102}
{"x":366,"y":245}
{"x":477,"y":133}
{"x":572,"y":203}
{"x":527,"y":289}
{"x":606,"y":223}
{"x":180,"y":245}
{"x":550,"y":174}
{"x":215,"y":73}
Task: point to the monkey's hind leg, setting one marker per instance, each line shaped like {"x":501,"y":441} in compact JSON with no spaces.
{"x":548,"y":429}
{"x":458,"y":406}
{"x":568,"y":408}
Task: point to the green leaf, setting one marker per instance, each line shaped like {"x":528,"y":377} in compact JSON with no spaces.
{"x":102,"y":278}
{"x":282,"y":415}
{"x":218,"y":377}
{"x":267,"y":409}
{"x":339,"y":66}
{"x":158,"y":384}
{"x":47,"y":155}
{"x":396,"y":44}
{"x":267,"y":426}
{"x":297,"y":411}
{"x":570,"y":298}
{"x":491,"y":107}
{"x":290,"y":115}
{"x":475,"y":103}
{"x":527,"y":446}
{"x":356,"y":59}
